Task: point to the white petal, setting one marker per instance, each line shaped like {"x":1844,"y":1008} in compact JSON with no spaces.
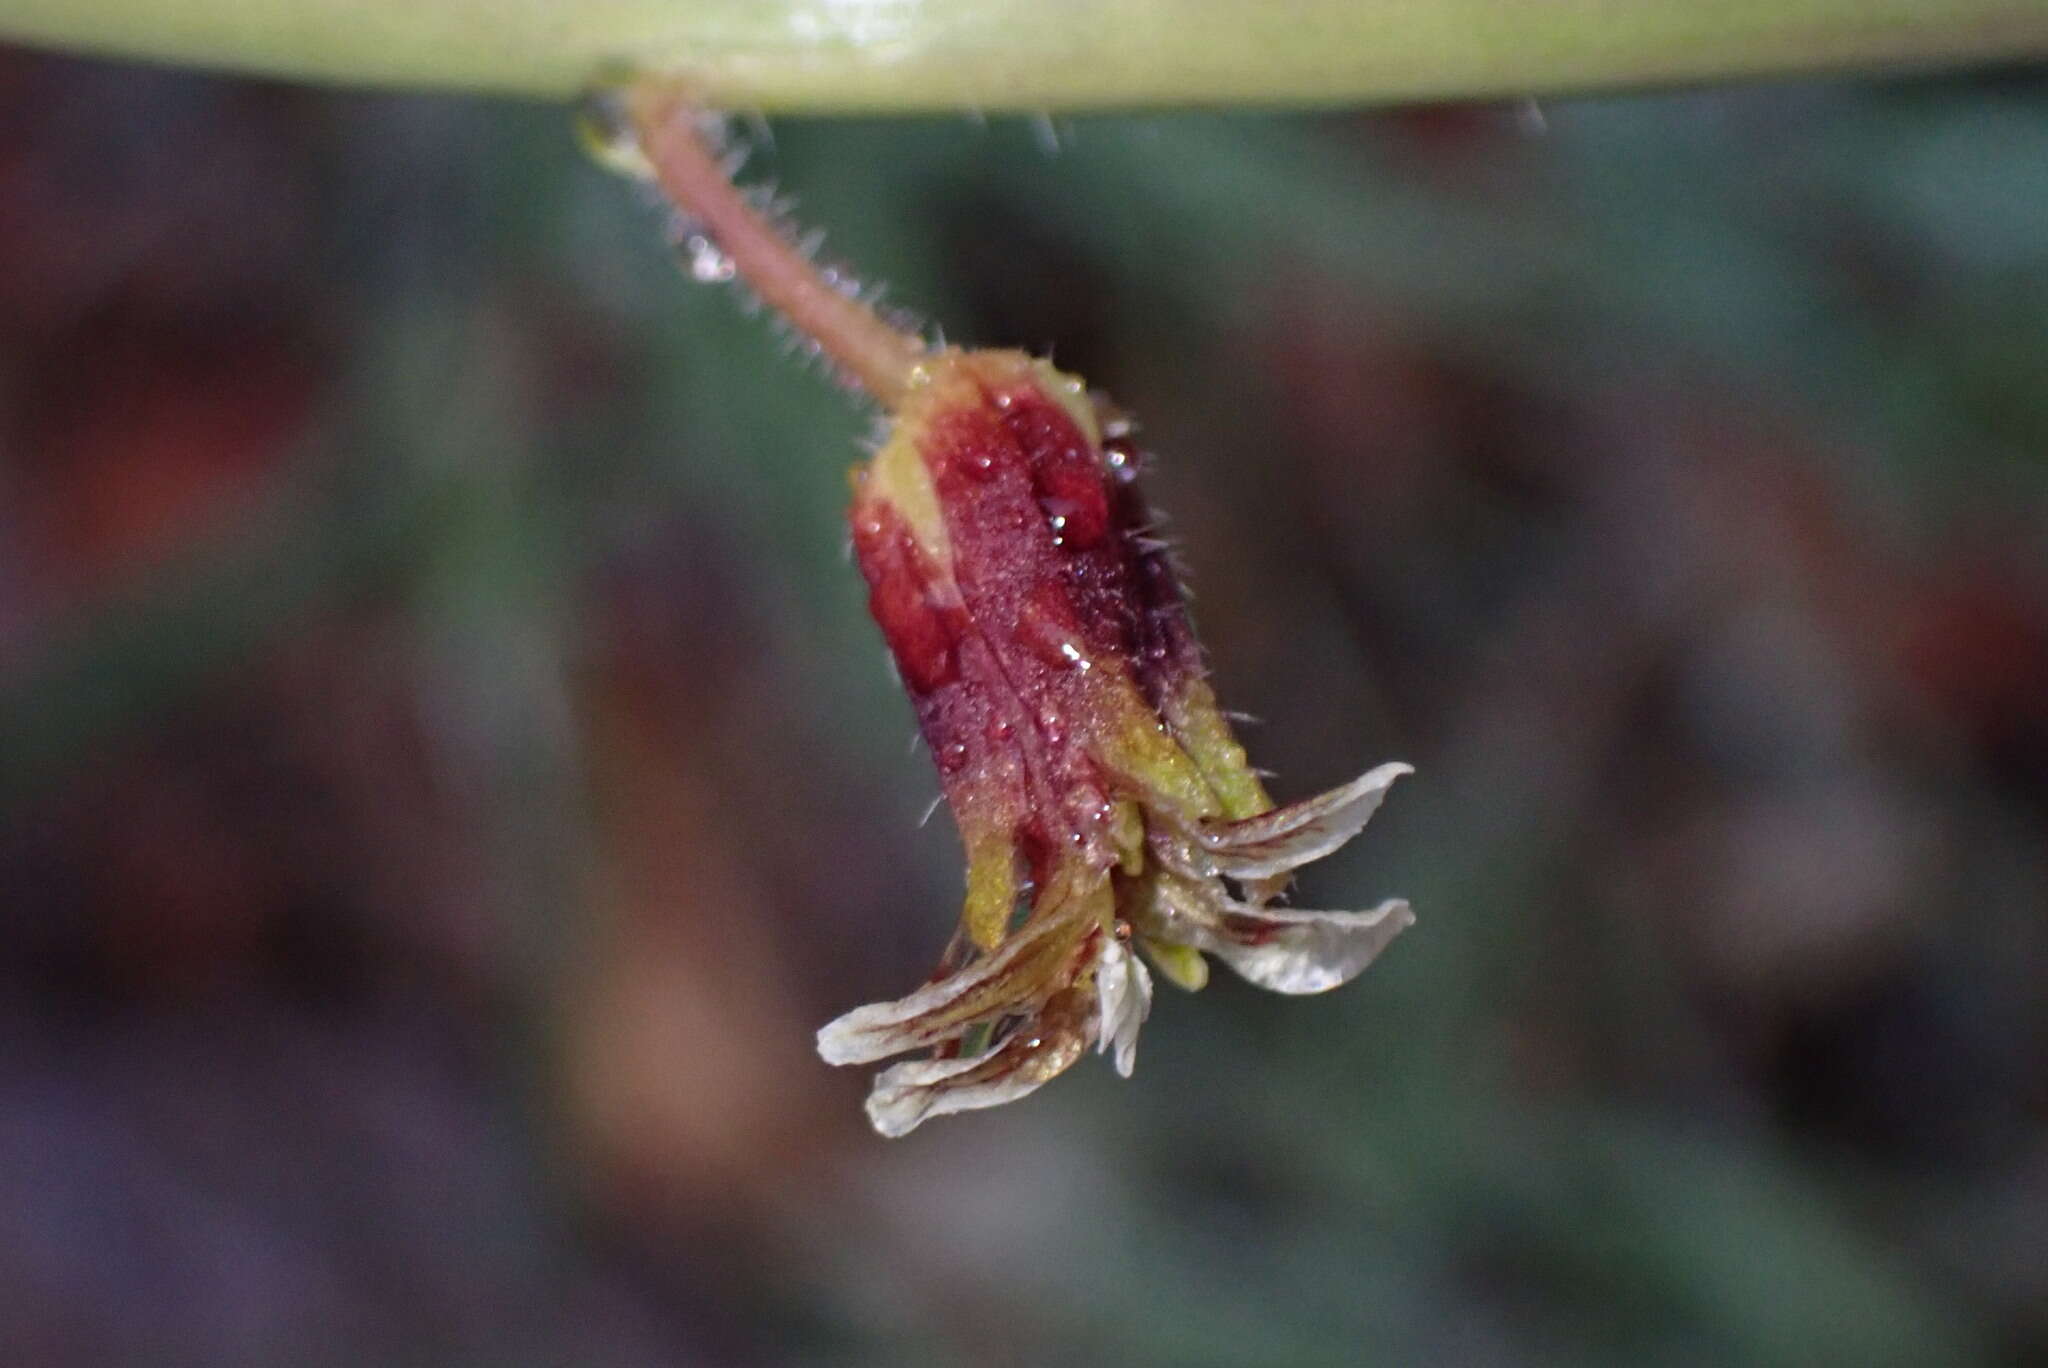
{"x":1127,"y":1030}
{"x":1298,"y":951}
{"x":1288,"y":837}
{"x":1123,"y":988}
{"x":881,"y":1029}
{"x":907,"y":1094}
{"x":1112,"y":987}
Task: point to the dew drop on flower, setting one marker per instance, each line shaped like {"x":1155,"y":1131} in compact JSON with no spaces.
{"x":1121,"y":457}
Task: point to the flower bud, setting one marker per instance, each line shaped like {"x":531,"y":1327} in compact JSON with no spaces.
{"x":1102,"y":799}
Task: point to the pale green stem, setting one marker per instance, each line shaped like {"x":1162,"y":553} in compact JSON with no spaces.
{"x":902,"y":55}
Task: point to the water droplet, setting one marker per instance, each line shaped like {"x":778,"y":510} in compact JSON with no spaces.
{"x":605,"y":130}
{"x":1052,"y":726}
{"x":709,"y":264}
{"x":1048,"y":633}
{"x":1121,"y":456}
{"x":1074,"y":498}
{"x":1076,"y":524}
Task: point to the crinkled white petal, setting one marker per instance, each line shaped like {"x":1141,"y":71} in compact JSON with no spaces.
{"x":908,"y":1093}
{"x":1123,"y":989}
{"x":881,"y":1029}
{"x":1289,"y":950}
{"x":1286,"y":838}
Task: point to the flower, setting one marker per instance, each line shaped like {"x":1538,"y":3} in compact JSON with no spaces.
{"x":1103,"y":801}
{"x":1039,"y":630}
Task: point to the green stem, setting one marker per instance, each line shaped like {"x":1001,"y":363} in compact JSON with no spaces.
{"x":902,"y":55}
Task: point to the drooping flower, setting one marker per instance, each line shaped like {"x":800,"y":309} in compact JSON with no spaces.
{"x":1104,"y":803}
{"x":1108,"y":813}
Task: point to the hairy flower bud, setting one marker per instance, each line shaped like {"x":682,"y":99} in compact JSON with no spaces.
{"x":1098,"y":789}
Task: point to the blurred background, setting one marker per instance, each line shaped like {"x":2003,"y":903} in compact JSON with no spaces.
{"x":446,"y":772}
